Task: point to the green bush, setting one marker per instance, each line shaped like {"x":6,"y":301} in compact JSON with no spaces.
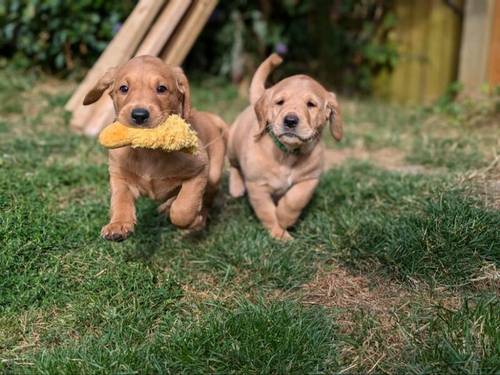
{"x":340,"y":42}
{"x":57,"y":33}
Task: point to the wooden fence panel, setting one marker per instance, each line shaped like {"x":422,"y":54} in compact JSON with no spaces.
{"x":428,"y":39}
{"x":475,"y":43}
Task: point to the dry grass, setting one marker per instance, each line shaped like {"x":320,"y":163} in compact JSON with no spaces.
{"x":388,"y":158}
{"x":375,"y":314}
{"x":368,"y":308}
{"x":485,"y":183}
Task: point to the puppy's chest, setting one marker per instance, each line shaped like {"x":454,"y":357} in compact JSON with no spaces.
{"x":281,"y":178}
{"x":154,"y":174}
{"x":158,"y":189}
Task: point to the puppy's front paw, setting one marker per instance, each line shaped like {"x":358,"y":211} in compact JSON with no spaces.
{"x":281,"y":234}
{"x":118,"y":231}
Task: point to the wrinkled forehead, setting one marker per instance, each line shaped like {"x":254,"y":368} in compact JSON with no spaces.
{"x":299,"y":86}
{"x":145,"y":70}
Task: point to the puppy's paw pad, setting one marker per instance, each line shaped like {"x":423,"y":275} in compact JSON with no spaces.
{"x":117,"y":231}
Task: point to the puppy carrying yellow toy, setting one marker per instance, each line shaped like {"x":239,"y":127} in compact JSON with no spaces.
{"x":174,"y":134}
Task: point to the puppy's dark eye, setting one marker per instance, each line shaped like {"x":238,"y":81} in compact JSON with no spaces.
{"x":280,"y":102}
{"x":123,"y":89}
{"x":161,"y":89}
{"x":311,"y":104}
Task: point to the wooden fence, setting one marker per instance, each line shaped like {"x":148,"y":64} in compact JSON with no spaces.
{"x":427,"y":36}
{"x":439,"y":44}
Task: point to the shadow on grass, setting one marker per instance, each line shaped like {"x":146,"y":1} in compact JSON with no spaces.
{"x":147,"y":235}
{"x":411,"y":226}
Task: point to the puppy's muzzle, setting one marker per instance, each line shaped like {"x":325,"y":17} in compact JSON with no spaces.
{"x":139,"y":115}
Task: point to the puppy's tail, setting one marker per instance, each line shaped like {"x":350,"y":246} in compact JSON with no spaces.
{"x":258,"y":85}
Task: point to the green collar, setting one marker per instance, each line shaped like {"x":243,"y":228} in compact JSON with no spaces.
{"x":280,"y":145}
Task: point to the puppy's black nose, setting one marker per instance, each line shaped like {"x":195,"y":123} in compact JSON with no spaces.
{"x":291,"y":121}
{"x":140,"y":115}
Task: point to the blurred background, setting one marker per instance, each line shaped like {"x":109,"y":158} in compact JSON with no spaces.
{"x":400,"y":50}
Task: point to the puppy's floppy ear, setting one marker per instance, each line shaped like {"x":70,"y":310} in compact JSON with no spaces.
{"x":334,"y":117}
{"x":262,"y":108}
{"x":183,"y":87}
{"x":104,"y":82}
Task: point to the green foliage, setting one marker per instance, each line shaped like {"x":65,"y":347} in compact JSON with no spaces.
{"x":343,"y":42}
{"x":55,"y":33}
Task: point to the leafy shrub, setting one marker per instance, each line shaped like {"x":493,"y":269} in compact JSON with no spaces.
{"x":55,"y":33}
{"x":342,"y":42}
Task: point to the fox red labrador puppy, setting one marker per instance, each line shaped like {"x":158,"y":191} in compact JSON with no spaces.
{"x":145,"y":91}
{"x":275,"y":147}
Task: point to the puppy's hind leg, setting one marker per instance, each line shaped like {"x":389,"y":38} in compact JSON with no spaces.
{"x":236,"y":183}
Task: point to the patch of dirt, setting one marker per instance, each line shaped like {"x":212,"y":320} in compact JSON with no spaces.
{"x":388,"y":158}
{"x":209,"y":288}
{"x":378,"y":301}
{"x":487,"y":278}
{"x":374,"y":313}
{"x":343,"y":289}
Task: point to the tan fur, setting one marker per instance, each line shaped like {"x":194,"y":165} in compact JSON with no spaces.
{"x":280,"y":184}
{"x":184,"y":184}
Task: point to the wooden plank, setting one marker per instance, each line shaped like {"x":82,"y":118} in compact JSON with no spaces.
{"x":120,"y":48}
{"x":476,"y":34}
{"x":161,"y":31}
{"x":398,"y":79}
{"x":494,"y":58}
{"x":442,"y":52}
{"x":451,"y":47}
{"x":164,"y":27}
{"x":179,"y":46}
{"x":434,"y":64}
{"x":419,"y":59}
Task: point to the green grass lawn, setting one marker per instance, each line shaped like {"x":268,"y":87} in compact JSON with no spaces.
{"x":394,"y":268}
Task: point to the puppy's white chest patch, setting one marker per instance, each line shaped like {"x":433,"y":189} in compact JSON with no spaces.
{"x":282,"y":181}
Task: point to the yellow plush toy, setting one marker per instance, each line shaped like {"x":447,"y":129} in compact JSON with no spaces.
{"x":174,"y":134}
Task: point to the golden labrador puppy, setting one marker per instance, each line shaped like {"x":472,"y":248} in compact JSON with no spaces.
{"x":275,"y":148}
{"x":145,"y":91}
